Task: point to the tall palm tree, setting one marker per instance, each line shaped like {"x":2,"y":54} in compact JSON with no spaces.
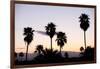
{"x":39,"y":48}
{"x":50,"y":31}
{"x":84,"y":25}
{"x":28,"y":33}
{"x":61,"y":39}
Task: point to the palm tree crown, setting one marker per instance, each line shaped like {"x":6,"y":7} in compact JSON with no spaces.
{"x":28,"y":32}
{"x":50,"y":29}
{"x":61,"y":39}
{"x":39,"y":48}
{"x":84,"y":20}
{"x":81,"y":49}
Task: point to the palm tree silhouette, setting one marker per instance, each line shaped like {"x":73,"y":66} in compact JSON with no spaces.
{"x":39,"y":48}
{"x":84,"y":25}
{"x":61,"y":39}
{"x":28,"y":32}
{"x":50,"y":30}
{"x":82,"y":49}
{"x":21,"y":54}
{"x":47,"y":52}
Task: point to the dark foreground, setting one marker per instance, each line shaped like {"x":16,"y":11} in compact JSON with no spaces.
{"x":49,"y":57}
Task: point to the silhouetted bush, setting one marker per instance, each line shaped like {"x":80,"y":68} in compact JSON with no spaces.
{"x":88,"y":54}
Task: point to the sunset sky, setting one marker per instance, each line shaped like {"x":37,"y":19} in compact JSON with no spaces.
{"x":66,"y":20}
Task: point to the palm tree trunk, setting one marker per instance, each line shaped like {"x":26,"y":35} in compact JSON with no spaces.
{"x":60,"y":49}
{"x":51,"y":44}
{"x":85,"y":39}
{"x":26,"y":52}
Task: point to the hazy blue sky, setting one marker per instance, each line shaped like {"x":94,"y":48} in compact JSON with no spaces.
{"x":66,"y":20}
